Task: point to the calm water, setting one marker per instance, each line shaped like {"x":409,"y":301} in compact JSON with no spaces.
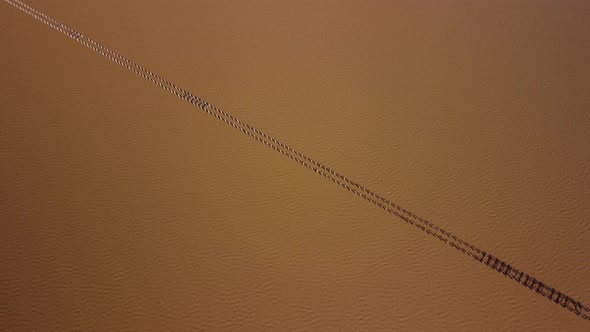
{"x":125,"y":208}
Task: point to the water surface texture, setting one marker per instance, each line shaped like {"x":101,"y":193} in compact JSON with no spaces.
{"x":124,"y":208}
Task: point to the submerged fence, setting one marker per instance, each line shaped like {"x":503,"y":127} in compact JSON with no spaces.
{"x":424,"y":225}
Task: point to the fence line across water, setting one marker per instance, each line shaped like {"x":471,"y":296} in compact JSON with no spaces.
{"x":426,"y":226}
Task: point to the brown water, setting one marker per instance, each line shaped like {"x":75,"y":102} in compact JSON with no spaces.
{"x":123,"y":207}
